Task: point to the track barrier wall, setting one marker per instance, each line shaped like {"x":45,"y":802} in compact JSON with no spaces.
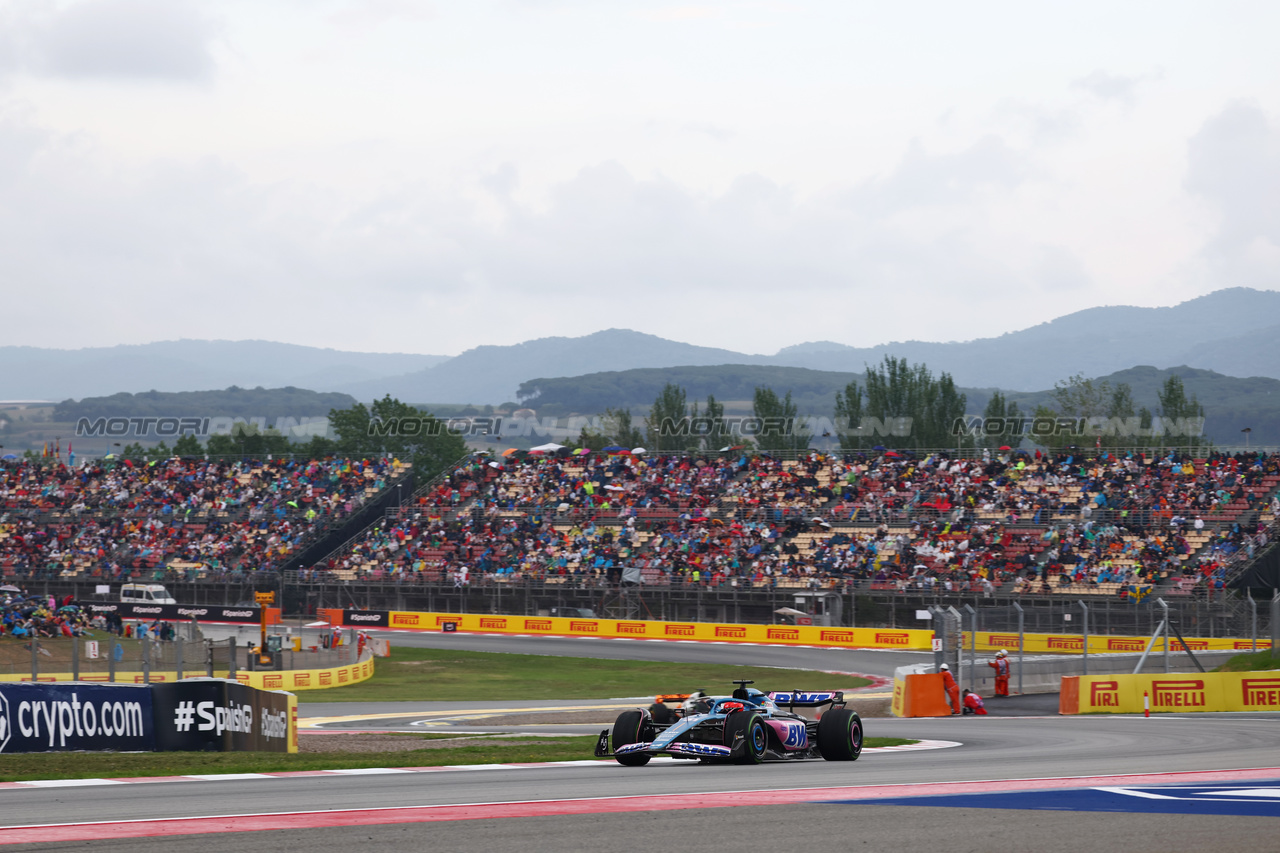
{"x":556,"y":626}
{"x":919,"y":694}
{"x":199,"y":714}
{"x":286,"y":679}
{"x":1169,"y":693}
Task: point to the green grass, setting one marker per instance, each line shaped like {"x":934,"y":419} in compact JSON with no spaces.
{"x":418,"y":675}
{"x":79,"y":765}
{"x":1251,"y":662}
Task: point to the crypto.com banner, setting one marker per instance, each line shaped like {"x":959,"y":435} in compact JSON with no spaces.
{"x":76,"y":716}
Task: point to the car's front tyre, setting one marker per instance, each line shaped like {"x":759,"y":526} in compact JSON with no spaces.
{"x":631,"y":727}
{"x":755,"y":736}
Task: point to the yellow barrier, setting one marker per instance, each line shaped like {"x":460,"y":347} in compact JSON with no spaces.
{"x":991,"y":641}
{"x":288,"y":679}
{"x":553,"y":626}
{"x":1170,"y":693}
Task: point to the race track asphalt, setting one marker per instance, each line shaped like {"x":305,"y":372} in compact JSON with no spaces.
{"x":993,"y":748}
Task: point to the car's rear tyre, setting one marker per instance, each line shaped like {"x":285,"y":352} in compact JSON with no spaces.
{"x":840,"y":735}
{"x":629,"y":728}
{"x":755,"y":736}
{"x":660,"y":713}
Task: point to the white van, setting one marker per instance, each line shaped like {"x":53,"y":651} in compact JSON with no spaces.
{"x":149,"y":593}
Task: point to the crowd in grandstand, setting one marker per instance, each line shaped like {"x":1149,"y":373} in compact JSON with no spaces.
{"x":1025,"y":522}
{"x":114,"y":520}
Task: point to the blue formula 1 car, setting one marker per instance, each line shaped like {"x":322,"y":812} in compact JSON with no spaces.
{"x":747,"y":727}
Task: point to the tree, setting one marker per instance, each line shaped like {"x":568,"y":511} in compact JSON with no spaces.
{"x":849,"y":413}
{"x":390,"y":427}
{"x":616,"y":428}
{"x":717,"y":431}
{"x":1000,"y":410}
{"x":782,"y":429}
{"x":1181,"y":417}
{"x":187,"y":446}
{"x":666,"y":417}
{"x":896,"y":390}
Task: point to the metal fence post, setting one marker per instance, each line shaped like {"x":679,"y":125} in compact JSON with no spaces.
{"x":177,"y":650}
{"x":111,"y":661}
{"x":1165,"y":623}
{"x":1253,"y":619}
{"x":973,"y":648}
{"x":146,"y":659}
{"x":35,"y":658}
{"x":1275,"y":623}
{"x":1021,"y":642}
{"x":1085,"y":628}
{"x":75,"y":658}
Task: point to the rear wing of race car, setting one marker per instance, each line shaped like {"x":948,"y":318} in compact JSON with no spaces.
{"x":664,"y":698}
{"x":810,"y":699}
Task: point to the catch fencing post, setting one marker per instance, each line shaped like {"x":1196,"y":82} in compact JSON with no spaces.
{"x":75,"y":658}
{"x":177,"y":649}
{"x":1253,"y":619}
{"x":35,"y":657}
{"x":146,"y":658}
{"x":1085,"y":626}
{"x":1165,"y":623}
{"x":1021,"y":642}
{"x":973,"y":648}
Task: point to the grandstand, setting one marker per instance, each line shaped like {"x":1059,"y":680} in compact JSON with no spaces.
{"x":891,"y":525}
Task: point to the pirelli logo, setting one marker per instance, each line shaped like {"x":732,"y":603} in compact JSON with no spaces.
{"x":302,"y":679}
{"x":836,"y":636}
{"x":1104,"y":694}
{"x":1134,"y":644}
{"x":673,"y":630}
{"x":1261,"y":692}
{"x":1074,"y":644}
{"x":441,"y":619}
{"x":326,"y":679}
{"x":537,"y":624}
{"x":492,"y":624}
{"x":343,"y":676}
{"x":1193,"y":645}
{"x":1248,"y":644}
{"x":731,"y":632}
{"x":406,"y":620}
{"x":584,"y":627}
{"x":1003,"y":641}
{"x":1186,"y":693}
{"x":893,"y":638}
{"x":272,"y":682}
{"x":632,"y":628}
{"x":782,"y":634}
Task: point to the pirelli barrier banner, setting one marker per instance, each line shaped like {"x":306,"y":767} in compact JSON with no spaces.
{"x":181,"y":612}
{"x":200,"y":715}
{"x":991,"y":641}
{"x":799,"y":635}
{"x":309,"y":679}
{"x":1180,"y":693}
{"x":215,"y":715}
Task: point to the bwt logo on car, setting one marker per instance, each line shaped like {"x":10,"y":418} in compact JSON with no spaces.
{"x":731,"y":632}
{"x":680,"y":630}
{"x":782,"y":634}
{"x":1178,"y":694}
{"x":1134,"y":645}
{"x":1073,"y":643}
{"x":58,"y":719}
{"x":1104,"y":693}
{"x":893,"y":638}
{"x":1261,"y":691}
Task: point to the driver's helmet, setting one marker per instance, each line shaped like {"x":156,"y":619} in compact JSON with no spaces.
{"x":697,"y":703}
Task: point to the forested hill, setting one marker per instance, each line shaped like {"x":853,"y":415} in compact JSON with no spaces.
{"x":269,"y":403}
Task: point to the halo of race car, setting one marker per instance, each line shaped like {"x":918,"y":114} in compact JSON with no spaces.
{"x":745,"y":727}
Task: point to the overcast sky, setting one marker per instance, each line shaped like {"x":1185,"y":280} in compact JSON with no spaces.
{"x":403,"y":176}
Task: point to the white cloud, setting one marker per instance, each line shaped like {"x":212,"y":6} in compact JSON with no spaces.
{"x":132,"y":39}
